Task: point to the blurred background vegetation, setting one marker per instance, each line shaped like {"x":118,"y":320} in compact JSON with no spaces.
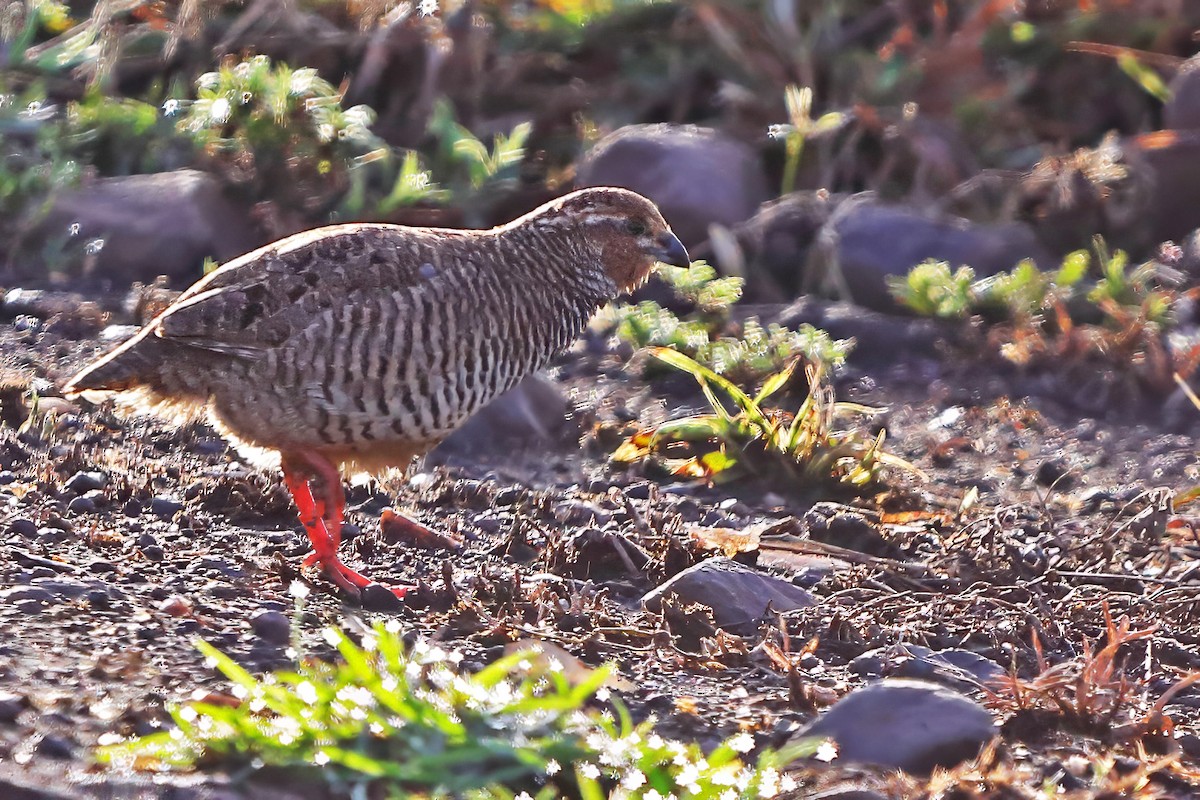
{"x":469,"y":112}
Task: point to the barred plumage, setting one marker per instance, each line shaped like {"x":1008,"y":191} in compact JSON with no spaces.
{"x":364,"y":345}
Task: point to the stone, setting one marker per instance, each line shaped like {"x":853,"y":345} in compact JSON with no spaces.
{"x":19,"y":594}
{"x":961,"y":670}
{"x":905,"y":724}
{"x":11,"y":706}
{"x":697,"y":176}
{"x":881,"y":339}
{"x":82,"y":482}
{"x":165,"y":507}
{"x":535,"y":410}
{"x":866,"y":242}
{"x":1181,"y":111}
{"x":775,"y":244}
{"x":81,"y":505}
{"x":737,"y":594}
{"x":137,"y":227}
{"x":23,"y":527}
{"x":272,"y":626}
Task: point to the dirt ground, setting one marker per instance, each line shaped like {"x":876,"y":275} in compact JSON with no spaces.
{"x":109,"y":579}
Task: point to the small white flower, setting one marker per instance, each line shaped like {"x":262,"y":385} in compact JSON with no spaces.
{"x":428,"y":7}
{"x":589,"y":771}
{"x":220,"y":110}
{"x":826,"y":751}
{"x":307,"y":692}
{"x":553,"y":767}
{"x":742,"y":742}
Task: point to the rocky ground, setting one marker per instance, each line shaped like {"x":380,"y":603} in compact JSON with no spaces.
{"x":1035,"y":579}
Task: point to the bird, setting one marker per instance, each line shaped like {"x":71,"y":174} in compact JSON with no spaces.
{"x":356,"y":348}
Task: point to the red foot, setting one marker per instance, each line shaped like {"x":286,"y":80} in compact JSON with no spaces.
{"x":316,"y":488}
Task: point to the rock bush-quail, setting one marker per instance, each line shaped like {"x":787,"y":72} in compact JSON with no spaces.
{"x":354,"y":348}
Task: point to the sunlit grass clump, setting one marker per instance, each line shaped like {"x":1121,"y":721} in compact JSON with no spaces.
{"x":411,"y":721}
{"x":810,"y":446}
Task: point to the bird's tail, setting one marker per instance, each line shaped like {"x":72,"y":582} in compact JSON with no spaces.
{"x":128,"y":367}
{"x":142,"y":377}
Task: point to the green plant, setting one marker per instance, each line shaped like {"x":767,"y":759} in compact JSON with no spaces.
{"x":798,"y":129}
{"x":1025,"y":292}
{"x":743,"y":353}
{"x":932,"y":290}
{"x":725,"y":445}
{"x":123,"y":136}
{"x":1120,"y":317}
{"x":465,"y":161}
{"x":279,"y":130}
{"x":410,"y":721}
{"x":35,"y":162}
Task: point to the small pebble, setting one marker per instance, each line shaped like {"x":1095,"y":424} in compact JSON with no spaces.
{"x":1057,"y":473}
{"x":98,"y":598}
{"x":82,"y":505}
{"x":165,"y":507}
{"x":507,"y":496}
{"x":376,"y":597}
{"x":25,"y":528}
{"x":638,"y":491}
{"x":11,"y":706}
{"x":55,"y":747}
{"x":52,"y":535}
{"x":153,"y":552}
{"x":82,"y":482}
{"x":7,"y":477}
{"x":272,"y":626}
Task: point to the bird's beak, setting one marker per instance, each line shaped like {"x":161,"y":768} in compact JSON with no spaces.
{"x":671,"y":251}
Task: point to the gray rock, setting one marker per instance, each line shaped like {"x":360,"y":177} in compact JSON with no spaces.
{"x":138,"y":227}
{"x":866,"y":242}
{"x":82,"y":482}
{"x":165,"y":507}
{"x":535,"y":410}
{"x":905,"y":724}
{"x":881,"y":339}
{"x":19,"y":594}
{"x":737,"y":594}
{"x":960,"y":670}
{"x":81,"y":505}
{"x":23,"y":527}
{"x":697,"y":176}
{"x":1181,"y":111}
{"x":11,"y":706}
{"x":272,"y":626}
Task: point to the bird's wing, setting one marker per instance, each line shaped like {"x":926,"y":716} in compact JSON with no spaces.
{"x":256,"y":301}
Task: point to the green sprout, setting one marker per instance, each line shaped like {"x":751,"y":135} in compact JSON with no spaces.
{"x":411,"y":721}
{"x":745,"y":353}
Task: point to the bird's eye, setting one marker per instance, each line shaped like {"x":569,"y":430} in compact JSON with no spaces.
{"x":635,"y":227}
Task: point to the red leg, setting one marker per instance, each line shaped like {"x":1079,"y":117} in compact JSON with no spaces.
{"x":321,"y":514}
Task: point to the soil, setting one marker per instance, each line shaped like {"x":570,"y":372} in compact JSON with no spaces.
{"x":1033,"y":520}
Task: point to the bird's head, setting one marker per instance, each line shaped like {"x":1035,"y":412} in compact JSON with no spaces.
{"x":626,"y":229}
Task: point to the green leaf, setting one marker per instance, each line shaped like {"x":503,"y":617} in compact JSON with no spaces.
{"x":1145,"y":76}
{"x":775,"y":382}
